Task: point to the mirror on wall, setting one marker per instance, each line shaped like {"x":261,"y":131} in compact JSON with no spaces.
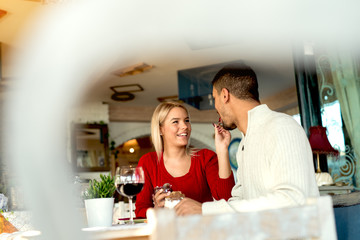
{"x":91,"y":147}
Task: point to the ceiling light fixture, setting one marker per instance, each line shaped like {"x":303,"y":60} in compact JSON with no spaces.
{"x":123,"y":93}
{"x":133,"y":70}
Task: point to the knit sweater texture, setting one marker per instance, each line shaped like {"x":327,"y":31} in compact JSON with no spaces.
{"x":202,"y":183}
{"x":275,"y":165}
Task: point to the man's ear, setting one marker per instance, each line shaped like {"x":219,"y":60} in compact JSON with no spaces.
{"x":225,"y":95}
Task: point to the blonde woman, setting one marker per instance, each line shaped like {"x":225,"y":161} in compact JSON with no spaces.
{"x":196,"y":173}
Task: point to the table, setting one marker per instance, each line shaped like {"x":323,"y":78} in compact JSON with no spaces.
{"x":335,"y":190}
{"x":22,"y":219}
{"x":346,"y":200}
{"x":139,"y":231}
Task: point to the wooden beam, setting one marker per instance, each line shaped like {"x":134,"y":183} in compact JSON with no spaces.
{"x":119,"y":113}
{"x":203,"y":116}
{"x":282,"y":101}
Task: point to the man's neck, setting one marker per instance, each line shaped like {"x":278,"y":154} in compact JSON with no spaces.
{"x":241,"y":109}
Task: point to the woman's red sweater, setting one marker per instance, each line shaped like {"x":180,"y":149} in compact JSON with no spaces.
{"x":202,"y":183}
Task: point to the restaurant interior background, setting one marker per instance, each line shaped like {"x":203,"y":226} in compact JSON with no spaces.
{"x":304,"y":79}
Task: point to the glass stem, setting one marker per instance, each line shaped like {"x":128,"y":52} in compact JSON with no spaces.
{"x":131,"y":211}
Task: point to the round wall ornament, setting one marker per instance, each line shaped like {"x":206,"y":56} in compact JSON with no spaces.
{"x":233,"y":147}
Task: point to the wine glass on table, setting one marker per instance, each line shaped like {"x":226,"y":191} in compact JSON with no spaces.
{"x":129,"y":181}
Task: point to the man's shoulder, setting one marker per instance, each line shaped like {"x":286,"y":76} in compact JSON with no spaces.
{"x":265,"y":116}
{"x":281,"y":120}
{"x":281,"y":125}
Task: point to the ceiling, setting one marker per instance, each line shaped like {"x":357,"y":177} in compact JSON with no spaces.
{"x":274,"y":69}
{"x":273,"y":66}
{"x":264,"y":43}
{"x":272,"y":62}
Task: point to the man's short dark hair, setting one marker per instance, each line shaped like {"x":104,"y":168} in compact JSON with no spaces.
{"x":240,"y":80}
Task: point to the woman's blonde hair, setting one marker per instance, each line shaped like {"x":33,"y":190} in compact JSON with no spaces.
{"x":158,"y":118}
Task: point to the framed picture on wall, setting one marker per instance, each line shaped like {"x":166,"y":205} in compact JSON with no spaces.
{"x":90,"y":147}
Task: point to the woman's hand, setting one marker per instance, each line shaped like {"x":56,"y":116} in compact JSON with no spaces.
{"x":159,"y":198}
{"x":222,"y":142}
{"x":222,"y":137}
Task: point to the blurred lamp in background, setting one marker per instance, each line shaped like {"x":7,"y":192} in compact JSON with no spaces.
{"x":321,"y":145}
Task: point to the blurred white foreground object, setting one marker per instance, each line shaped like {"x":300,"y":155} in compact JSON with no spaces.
{"x":313,"y":220}
{"x":71,"y":43}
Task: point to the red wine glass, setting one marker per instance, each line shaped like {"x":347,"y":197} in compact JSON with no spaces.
{"x":129,"y":181}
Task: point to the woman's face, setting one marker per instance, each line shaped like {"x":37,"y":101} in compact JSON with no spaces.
{"x":176,"y":128}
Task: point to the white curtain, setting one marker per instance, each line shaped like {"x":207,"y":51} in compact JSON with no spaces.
{"x":346,"y":75}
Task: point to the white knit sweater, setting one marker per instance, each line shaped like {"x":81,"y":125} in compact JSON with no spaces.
{"x":275,"y":165}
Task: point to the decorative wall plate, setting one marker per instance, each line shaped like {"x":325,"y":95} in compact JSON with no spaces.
{"x":233,"y":147}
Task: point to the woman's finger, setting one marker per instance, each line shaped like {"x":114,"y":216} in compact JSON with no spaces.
{"x":158,"y":193}
{"x":159,"y":199}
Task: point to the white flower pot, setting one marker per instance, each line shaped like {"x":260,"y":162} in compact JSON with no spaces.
{"x":99,"y":212}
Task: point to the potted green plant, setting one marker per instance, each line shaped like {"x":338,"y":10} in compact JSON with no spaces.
{"x":99,"y":201}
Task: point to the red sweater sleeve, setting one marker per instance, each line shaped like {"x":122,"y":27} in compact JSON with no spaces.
{"x":144,"y":198}
{"x":220,"y":187}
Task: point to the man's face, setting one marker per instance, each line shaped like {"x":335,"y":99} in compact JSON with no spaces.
{"x":222,"y":111}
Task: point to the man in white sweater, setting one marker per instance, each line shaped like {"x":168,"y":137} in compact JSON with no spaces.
{"x":275,"y":163}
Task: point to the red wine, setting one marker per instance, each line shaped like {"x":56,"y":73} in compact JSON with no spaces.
{"x":129,"y":189}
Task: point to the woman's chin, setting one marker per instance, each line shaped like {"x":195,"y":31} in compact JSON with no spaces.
{"x":183,"y":143}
